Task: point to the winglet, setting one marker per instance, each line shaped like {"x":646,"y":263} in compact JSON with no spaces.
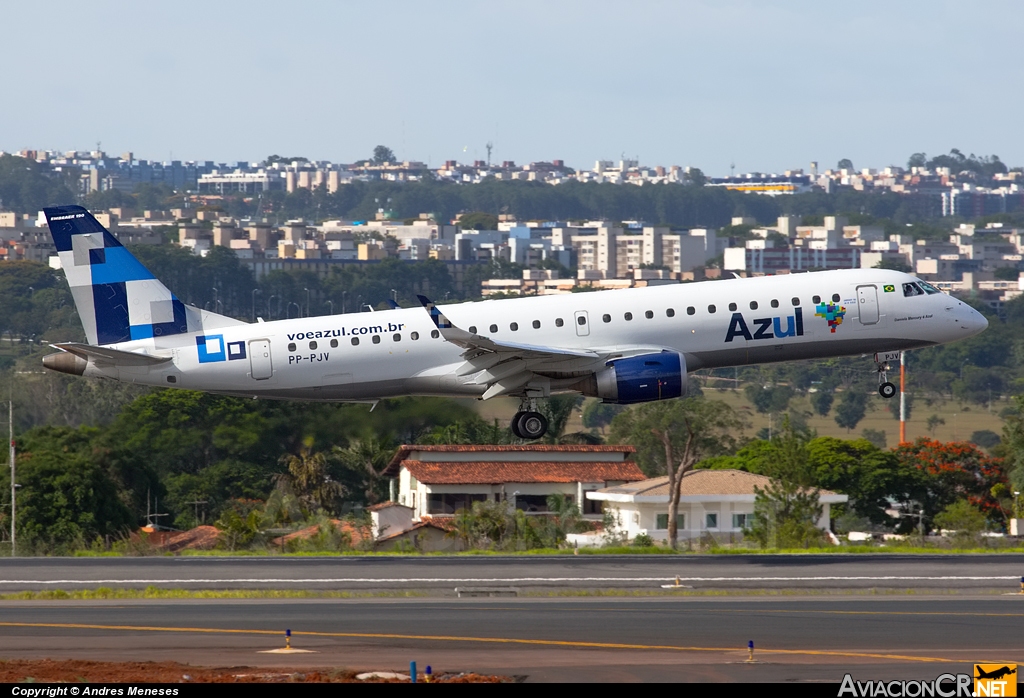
{"x":455,"y":335}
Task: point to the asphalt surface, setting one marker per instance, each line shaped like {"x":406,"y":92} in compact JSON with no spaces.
{"x":444,"y":574}
{"x":583,"y":639}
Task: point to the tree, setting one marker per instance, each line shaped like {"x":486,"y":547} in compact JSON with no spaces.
{"x":933,"y":423}
{"x":696,"y":177}
{"x":672,"y":436}
{"x":558,"y":410}
{"x":364,"y":461}
{"x":875,"y":436}
{"x":822,"y":400}
{"x":769,"y":399}
{"x":961,"y":516}
{"x":598,"y":415}
{"x":310,"y":479}
{"x":478,"y":220}
{"x":786,"y":510}
{"x":851,"y":409}
{"x":917,"y":160}
{"x":845,"y":164}
{"x":383,"y":154}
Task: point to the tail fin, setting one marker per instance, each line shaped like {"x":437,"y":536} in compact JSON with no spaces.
{"x":117,"y":298}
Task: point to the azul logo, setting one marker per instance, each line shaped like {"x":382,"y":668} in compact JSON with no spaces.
{"x":211,"y":349}
{"x":767,"y":327}
{"x":833,"y":314}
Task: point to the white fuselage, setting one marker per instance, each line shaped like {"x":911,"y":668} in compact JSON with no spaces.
{"x":399,"y":352}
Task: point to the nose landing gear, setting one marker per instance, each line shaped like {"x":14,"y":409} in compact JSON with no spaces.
{"x":528,"y":423}
{"x":885,"y":388}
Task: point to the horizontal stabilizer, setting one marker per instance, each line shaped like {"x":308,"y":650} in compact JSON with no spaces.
{"x":103,"y":355}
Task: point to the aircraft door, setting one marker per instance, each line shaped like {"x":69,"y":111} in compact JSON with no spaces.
{"x":582,"y":321}
{"x":259,"y":359}
{"x":867,"y":304}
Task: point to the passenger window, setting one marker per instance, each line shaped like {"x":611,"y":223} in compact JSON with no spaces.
{"x":493,"y":328}
{"x":670,"y":312}
{"x":472,"y":329}
{"x":376,"y":339}
{"x":559,"y":322}
{"x":816,"y":300}
{"x":628,"y":316}
{"x":355,"y":341}
{"x":334,"y":344}
{"x":396,"y":337}
{"x":414,"y":336}
{"x":312,"y":345}
{"x":796,"y":301}
{"x":434,"y":334}
{"x":732,"y":307}
{"x":775,"y":303}
{"x":606,"y":317}
{"x":291,"y":347}
{"x":753,"y":305}
{"x":691,"y":310}
{"x":514,"y":326}
{"x":536,"y":324}
{"x":649,"y":314}
{"x":835,"y":297}
{"x":711,"y":309}
{"x":581,"y":320}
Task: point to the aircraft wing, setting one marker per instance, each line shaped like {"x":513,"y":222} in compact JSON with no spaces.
{"x":104,"y":355}
{"x":503,"y":366}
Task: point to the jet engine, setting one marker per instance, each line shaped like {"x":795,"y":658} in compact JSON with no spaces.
{"x":641,"y":378}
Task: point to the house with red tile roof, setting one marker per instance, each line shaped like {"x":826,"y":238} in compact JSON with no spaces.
{"x":716,"y":502}
{"x":440,"y":480}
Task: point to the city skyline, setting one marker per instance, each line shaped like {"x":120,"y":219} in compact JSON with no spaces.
{"x":691,"y":84}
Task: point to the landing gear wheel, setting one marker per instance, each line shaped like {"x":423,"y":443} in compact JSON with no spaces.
{"x":887,"y":390}
{"x":531,"y":425}
{"x":514,"y":425}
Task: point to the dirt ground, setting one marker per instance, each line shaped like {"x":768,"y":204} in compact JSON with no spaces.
{"x":75,"y":671}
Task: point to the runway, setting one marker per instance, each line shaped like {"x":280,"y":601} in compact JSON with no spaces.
{"x":443,"y":574}
{"x":588,"y":639}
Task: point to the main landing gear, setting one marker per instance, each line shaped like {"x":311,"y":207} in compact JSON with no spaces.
{"x":528,"y":423}
{"x":885,"y":388}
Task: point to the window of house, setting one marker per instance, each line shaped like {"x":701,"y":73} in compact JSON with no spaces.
{"x":414,"y":335}
{"x":376,"y":339}
{"x":628,"y":316}
{"x":691,"y":310}
{"x":448,"y":503}
{"x":712,"y":309}
{"x":334,"y":344}
{"x":775,"y":303}
{"x":649,"y":314}
{"x":742,"y":520}
{"x":670,"y":312}
{"x":312,"y":345}
{"x":711,"y":521}
{"x":535,"y":503}
{"x":472,"y":329}
{"x":592,"y":506}
{"x":606,"y":317}
{"x":514,"y":326}
{"x":661,"y":522}
{"x":732,"y":306}
{"x":291,"y":346}
{"x":355,"y":341}
{"x":559,"y":322}
{"x":434,"y":334}
{"x":493,"y":328}
{"x":536,"y":324}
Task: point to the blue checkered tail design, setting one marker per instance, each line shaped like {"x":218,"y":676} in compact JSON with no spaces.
{"x":117,"y":298}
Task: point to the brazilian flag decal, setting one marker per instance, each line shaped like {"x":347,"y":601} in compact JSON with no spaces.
{"x":889,"y":288}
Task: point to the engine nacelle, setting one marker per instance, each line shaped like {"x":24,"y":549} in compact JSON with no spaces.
{"x":642,"y":378}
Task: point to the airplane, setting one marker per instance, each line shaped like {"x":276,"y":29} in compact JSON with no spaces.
{"x":995,"y":674}
{"x":622,"y":346}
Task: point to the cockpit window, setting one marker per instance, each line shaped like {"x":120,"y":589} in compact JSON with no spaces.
{"x":911,"y":289}
{"x":928,"y":288}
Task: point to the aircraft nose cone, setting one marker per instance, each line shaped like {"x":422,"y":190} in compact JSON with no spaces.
{"x":973,"y":321}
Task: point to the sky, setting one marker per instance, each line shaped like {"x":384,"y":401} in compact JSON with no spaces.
{"x":764,"y":86}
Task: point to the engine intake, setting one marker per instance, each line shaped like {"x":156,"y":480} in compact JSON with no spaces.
{"x":642,"y":378}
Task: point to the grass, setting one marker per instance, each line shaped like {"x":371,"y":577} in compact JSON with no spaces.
{"x":152,"y":592}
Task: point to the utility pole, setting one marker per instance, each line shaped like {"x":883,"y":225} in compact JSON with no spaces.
{"x":14,"y":486}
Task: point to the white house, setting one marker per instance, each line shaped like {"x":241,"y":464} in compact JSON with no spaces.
{"x":440,"y":480}
{"x":719,"y":502}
